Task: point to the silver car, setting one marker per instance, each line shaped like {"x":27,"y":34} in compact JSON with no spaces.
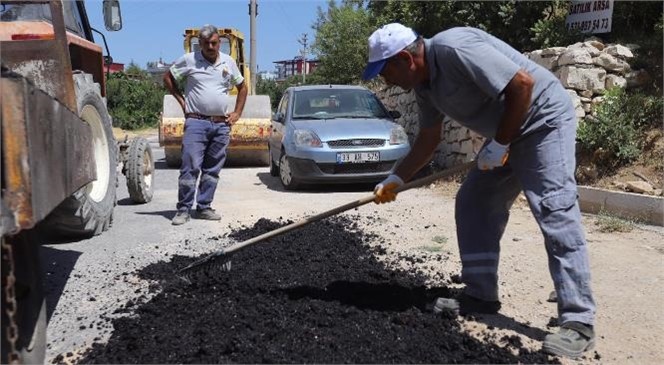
{"x":334,"y":134}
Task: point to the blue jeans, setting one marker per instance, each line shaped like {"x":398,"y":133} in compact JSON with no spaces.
{"x":203,"y":153}
{"x":541,"y":164}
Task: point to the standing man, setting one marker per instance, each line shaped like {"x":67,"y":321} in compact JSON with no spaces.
{"x":529,"y":122}
{"x":209,"y":76}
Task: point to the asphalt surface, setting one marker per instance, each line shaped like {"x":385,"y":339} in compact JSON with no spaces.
{"x":88,"y":280}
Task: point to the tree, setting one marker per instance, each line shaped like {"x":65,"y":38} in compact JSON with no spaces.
{"x":341,"y":42}
{"x":275,"y":89}
{"x":270,"y":88}
{"x":508,"y":20}
{"x":134,"y":70}
{"x":134,"y":99}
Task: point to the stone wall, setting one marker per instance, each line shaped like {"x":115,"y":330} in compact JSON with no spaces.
{"x":586,"y":70}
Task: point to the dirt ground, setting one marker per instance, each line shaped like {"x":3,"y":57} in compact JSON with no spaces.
{"x":627,"y":270}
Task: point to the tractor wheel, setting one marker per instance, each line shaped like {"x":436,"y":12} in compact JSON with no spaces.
{"x":139,"y":170}
{"x":89,"y":211}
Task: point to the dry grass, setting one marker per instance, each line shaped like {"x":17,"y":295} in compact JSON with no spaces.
{"x":608,"y":223}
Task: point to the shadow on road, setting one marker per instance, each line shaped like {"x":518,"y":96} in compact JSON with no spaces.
{"x":273,"y":183}
{"x":126,"y":201}
{"x":509,"y":323}
{"x":57,"y":265}
{"x":168,"y":214}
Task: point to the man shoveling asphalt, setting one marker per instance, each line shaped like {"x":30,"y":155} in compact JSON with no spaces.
{"x":529,"y":122}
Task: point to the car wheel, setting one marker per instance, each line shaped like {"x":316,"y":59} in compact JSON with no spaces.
{"x":274,"y":169}
{"x":286,"y":174}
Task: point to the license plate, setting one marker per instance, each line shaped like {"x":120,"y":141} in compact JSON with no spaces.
{"x":357,"y":157}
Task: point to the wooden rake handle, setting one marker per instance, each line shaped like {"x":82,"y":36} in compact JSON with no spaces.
{"x":357,"y":203}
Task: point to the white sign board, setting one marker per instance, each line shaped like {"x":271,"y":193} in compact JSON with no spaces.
{"x":590,"y":16}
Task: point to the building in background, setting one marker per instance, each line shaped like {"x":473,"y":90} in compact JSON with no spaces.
{"x":267,"y":75}
{"x":114,"y":67}
{"x":158,"y":69}
{"x":294,"y":67}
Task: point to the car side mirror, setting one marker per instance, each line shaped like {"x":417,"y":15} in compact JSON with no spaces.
{"x":278,"y":117}
{"x":395,"y":114}
{"x":112,"y":16}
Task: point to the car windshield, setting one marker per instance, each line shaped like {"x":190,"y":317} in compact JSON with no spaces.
{"x":337,"y":103}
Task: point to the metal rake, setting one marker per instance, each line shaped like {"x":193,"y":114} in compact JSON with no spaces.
{"x":221,"y":260}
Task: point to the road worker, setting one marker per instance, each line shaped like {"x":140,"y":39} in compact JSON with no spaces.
{"x":209,"y":76}
{"x":529,"y":124}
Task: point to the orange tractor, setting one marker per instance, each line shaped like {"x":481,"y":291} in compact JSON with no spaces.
{"x":60,"y":160}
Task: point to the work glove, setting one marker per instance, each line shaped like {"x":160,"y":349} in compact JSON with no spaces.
{"x":492,"y":155}
{"x":384,"y":191}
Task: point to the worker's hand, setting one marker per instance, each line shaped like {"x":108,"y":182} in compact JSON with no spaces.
{"x":385,"y":190}
{"x":492,"y":155}
{"x":232,"y":117}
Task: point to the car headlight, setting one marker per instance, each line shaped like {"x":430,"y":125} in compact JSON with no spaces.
{"x":306,"y":138}
{"x":398,"y":135}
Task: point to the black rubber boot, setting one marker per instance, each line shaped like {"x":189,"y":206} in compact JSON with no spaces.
{"x":573,"y":339}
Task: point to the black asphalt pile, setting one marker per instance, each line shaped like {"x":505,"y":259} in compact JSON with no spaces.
{"x":315,"y":295}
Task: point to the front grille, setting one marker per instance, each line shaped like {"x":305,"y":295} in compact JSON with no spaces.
{"x":356,"y":168}
{"x":360,"y":142}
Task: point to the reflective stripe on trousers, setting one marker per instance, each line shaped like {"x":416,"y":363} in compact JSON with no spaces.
{"x":542,"y":164}
{"x":203,"y":154}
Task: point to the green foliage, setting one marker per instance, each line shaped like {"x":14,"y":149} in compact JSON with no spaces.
{"x":526,"y":25}
{"x":342,"y":30}
{"x":550,"y":30}
{"x":276,"y":89}
{"x":614,"y":134}
{"x":509,"y":20}
{"x":134,"y":99}
{"x":341,"y":43}
{"x":271,"y":88}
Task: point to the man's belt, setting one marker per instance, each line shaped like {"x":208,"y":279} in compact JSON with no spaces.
{"x":211,"y":118}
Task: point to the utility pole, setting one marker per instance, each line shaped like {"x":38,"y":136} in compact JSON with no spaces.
{"x":303,"y":42}
{"x":253,"y":12}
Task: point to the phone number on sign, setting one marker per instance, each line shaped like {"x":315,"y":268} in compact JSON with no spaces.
{"x":589,"y":25}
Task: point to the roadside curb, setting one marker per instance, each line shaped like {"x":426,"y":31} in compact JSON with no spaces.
{"x":644,"y":208}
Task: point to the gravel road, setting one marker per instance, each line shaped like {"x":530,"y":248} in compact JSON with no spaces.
{"x":93,"y":282}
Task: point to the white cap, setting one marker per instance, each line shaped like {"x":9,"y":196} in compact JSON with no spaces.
{"x":384,"y":43}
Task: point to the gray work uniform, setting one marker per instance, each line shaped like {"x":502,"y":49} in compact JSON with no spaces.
{"x":469,"y":69}
{"x":204,"y":142}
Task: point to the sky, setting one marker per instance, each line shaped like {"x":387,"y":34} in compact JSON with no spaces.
{"x":152,"y":29}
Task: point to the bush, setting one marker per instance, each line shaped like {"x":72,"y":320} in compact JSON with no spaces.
{"x":134,"y":101}
{"x":614,"y":134}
